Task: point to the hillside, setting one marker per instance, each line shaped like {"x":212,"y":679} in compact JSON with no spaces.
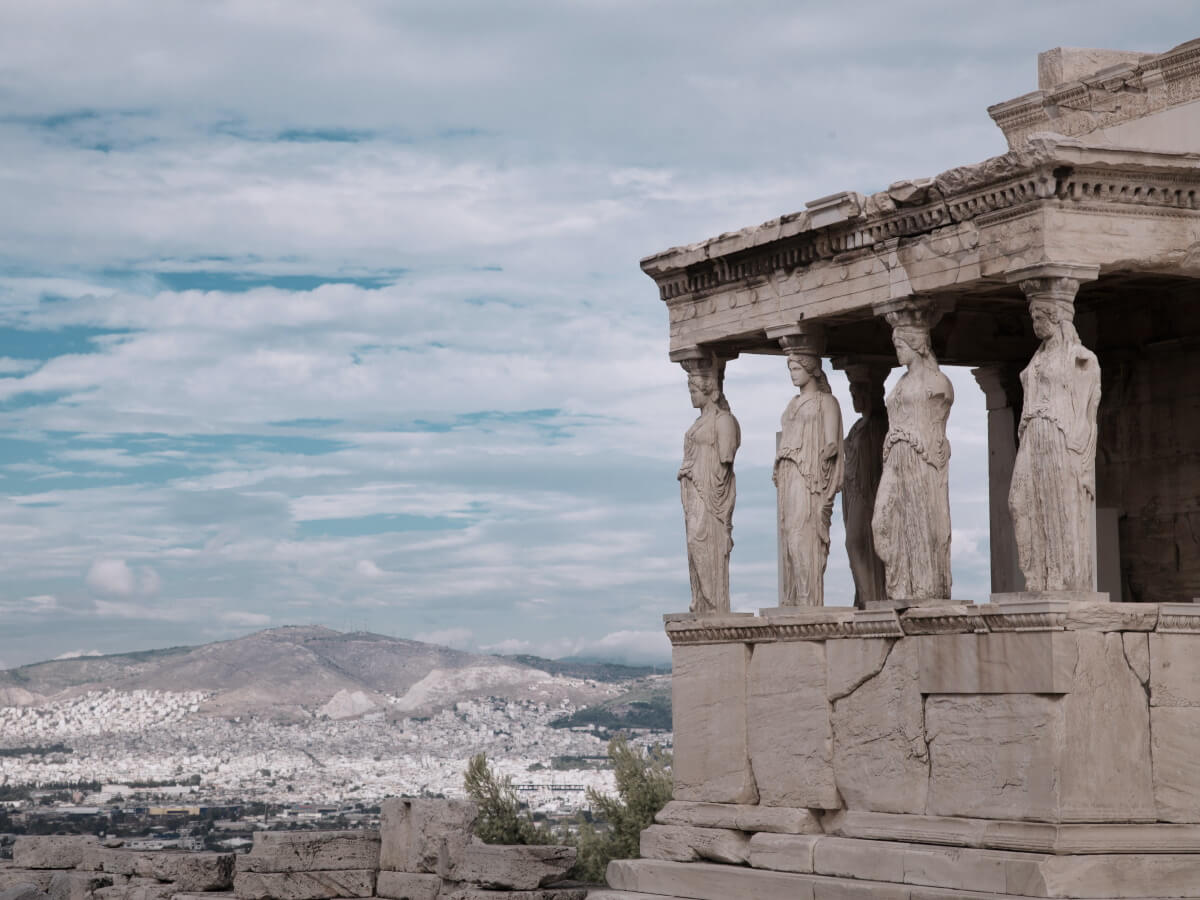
{"x":295,"y":672}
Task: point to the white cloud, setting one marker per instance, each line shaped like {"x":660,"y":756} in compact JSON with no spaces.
{"x":41,"y":603}
{"x":76,"y":654}
{"x":116,"y":578}
{"x":628,"y":646}
{"x":118,"y":609}
{"x":367,"y":569}
{"x":507,"y":647}
{"x":112,"y":577}
{"x":499,"y":249}
{"x":149,"y":582}
{"x":459,"y":638}
{"x":244,"y":618}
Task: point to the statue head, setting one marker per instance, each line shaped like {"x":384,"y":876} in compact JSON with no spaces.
{"x":1050,"y":316}
{"x":911,"y":321}
{"x":866,"y":383}
{"x":866,"y":396}
{"x":703,"y":388}
{"x":805,"y":368}
{"x":911,"y":342}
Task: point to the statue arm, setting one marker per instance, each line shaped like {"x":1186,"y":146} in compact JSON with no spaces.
{"x":942,"y":387}
{"x":1088,"y":424}
{"x":831,"y":416}
{"x":727,"y":438}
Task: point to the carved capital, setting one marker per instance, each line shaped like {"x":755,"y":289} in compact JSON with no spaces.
{"x":865,"y":370}
{"x":911,"y":312}
{"x":1000,"y":383}
{"x":701,"y":361}
{"x":800,"y":338}
{"x":866,"y":376}
{"x":1057,"y":282}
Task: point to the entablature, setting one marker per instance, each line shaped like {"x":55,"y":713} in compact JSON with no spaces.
{"x":953,"y":236}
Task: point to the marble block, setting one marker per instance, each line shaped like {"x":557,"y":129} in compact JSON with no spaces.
{"x":324,"y":885}
{"x":712,"y":755}
{"x":683,"y":843}
{"x":407,"y":886}
{"x":1046,"y":757}
{"x":789,"y":730}
{"x":880,"y":757}
{"x":1176,"y":762}
{"x":300,"y":851}
{"x":739,"y":817}
{"x":423,"y":835}
{"x":1036,"y":662}
{"x":783,"y":852}
{"x":51,"y":851}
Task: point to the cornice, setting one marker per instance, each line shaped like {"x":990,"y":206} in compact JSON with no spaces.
{"x":783,"y":624}
{"x":1108,"y":97}
{"x":1062,"y":173}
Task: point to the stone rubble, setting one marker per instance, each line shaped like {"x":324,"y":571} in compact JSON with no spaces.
{"x":424,"y":850}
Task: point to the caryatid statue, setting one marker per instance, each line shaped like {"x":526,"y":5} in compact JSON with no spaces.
{"x":864,"y":468}
{"x":1053,"y":491}
{"x":707,"y":487}
{"x":911,"y":523}
{"x":808,"y":472}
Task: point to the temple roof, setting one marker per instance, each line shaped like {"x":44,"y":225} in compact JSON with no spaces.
{"x":1131,"y":210}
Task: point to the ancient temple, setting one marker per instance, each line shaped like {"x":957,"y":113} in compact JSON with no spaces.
{"x":1045,"y":743}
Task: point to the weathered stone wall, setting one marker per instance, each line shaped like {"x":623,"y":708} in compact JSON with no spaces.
{"x":424,"y":850}
{"x":60,"y":867}
{"x":1052,"y":723}
{"x":1027,"y":749}
{"x":1148,"y":458}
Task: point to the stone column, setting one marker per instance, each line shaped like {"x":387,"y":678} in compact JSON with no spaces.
{"x":864,"y":467}
{"x":1002,"y":390}
{"x":1053,"y":493}
{"x":706,"y":482}
{"x":808,"y":467}
{"x":911,"y":521}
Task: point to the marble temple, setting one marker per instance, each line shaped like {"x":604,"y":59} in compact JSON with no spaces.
{"x":916,"y":745}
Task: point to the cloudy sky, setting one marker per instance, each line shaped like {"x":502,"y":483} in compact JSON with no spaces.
{"x":317,"y":312}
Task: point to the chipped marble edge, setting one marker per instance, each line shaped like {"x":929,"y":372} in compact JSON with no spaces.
{"x":836,"y":622}
{"x":1041,"y":150}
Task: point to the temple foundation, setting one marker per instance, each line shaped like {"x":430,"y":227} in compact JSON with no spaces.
{"x":999,"y":750}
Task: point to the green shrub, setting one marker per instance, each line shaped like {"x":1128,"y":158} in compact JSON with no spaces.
{"x":502,"y":820}
{"x":643,"y":788}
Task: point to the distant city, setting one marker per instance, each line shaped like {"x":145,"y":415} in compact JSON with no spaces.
{"x":204,"y":768}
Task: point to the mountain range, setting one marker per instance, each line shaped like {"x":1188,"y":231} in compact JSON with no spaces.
{"x":299,"y":671}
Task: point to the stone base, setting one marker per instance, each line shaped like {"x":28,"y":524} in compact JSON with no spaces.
{"x":668,"y":618}
{"x":847,"y":869}
{"x":891,"y":603}
{"x":1050,"y":596}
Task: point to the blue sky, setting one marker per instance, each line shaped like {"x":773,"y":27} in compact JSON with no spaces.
{"x":331,"y":313}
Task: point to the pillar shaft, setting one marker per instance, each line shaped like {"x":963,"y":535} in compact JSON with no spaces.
{"x":1002,"y":390}
{"x":864,"y":468}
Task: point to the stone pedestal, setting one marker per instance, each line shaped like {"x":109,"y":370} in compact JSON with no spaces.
{"x":1032,"y":748}
{"x":889,"y":603}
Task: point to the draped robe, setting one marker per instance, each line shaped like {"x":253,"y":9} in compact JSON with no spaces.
{"x":911,"y":524}
{"x":708,"y":489}
{"x":864,"y":467}
{"x":807,"y":481}
{"x":1053,"y":484}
